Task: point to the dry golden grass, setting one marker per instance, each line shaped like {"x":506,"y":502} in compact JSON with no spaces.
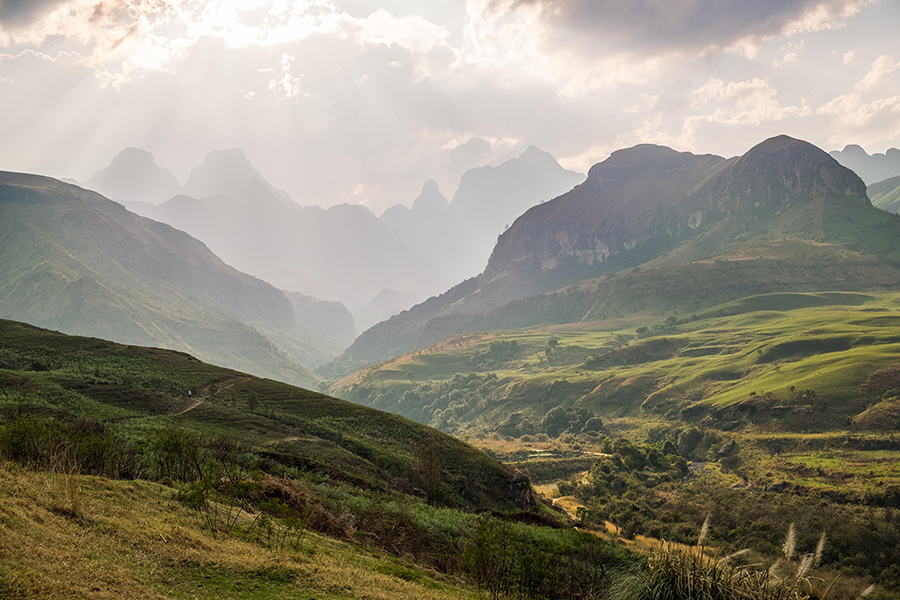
{"x":70,"y":536}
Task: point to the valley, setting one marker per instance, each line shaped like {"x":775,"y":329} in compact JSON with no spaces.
{"x":680,"y":361}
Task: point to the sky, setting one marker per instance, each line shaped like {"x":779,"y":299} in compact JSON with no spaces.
{"x":360,"y":101}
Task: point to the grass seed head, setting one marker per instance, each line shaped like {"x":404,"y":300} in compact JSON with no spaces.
{"x":790,"y":543}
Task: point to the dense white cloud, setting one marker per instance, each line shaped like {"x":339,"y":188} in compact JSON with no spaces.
{"x":869,"y":123}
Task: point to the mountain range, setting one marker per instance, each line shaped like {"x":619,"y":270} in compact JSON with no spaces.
{"x":79,"y":263}
{"x":656,"y":230}
{"x":457,"y":237}
{"x":344,"y":253}
{"x":870,"y":168}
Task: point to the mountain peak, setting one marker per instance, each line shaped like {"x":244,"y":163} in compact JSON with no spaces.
{"x":134,"y":176}
{"x":226,"y":172}
{"x":783,"y":143}
{"x":640,"y":158}
{"x":855,"y":150}
{"x":430,"y":198}
{"x":133,"y":157}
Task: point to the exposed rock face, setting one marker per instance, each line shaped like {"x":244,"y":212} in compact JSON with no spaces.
{"x":520,"y":487}
{"x":635,"y":207}
{"x":653,"y":193}
{"x":624,"y":202}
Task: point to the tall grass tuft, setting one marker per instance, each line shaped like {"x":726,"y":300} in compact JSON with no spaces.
{"x":704,"y":530}
{"x":820,"y":549}
{"x":678,"y":573}
{"x":674,"y":573}
{"x":790,"y":543}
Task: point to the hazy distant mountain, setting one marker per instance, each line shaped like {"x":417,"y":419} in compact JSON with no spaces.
{"x":225,"y":172}
{"x":457,"y":237}
{"x":82,"y":264}
{"x":330,"y":320}
{"x":657,"y":230}
{"x":383,"y":306}
{"x":134,"y":176}
{"x":342,"y":253}
{"x":432,"y":232}
{"x":870,"y":168}
{"x":886,"y":194}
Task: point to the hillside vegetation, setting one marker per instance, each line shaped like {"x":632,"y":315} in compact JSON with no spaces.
{"x":795,"y":396}
{"x":82,"y":264}
{"x":117,"y":481}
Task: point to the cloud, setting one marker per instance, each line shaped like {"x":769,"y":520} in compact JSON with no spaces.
{"x":748,"y":102}
{"x":20,"y":13}
{"x":653,"y":27}
{"x":865,"y":122}
{"x":882,"y":67}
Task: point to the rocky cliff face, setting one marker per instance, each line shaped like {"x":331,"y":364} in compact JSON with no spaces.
{"x":635,"y":207}
{"x":650,"y":195}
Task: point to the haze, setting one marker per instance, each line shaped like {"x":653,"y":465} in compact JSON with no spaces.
{"x":362,"y":102}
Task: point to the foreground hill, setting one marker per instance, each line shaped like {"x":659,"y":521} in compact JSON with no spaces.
{"x":657,"y":230}
{"x":80,"y":263}
{"x":116,"y":483}
{"x":160,"y":476}
{"x":49,"y":374}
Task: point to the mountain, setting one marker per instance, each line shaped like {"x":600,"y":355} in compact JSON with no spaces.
{"x":886,"y":194}
{"x":225,"y":171}
{"x":329,"y":320}
{"x":383,"y":306}
{"x":431,"y":231}
{"x":134,"y":176}
{"x":79,"y":263}
{"x":652,"y":229}
{"x":870,"y":168}
{"x":343,"y":253}
{"x":487,"y":200}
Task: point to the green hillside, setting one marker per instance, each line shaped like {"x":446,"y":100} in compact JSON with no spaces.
{"x":784,"y":403}
{"x":143,"y":391}
{"x":79,"y":263}
{"x":827,"y":343}
{"x":118,"y":483}
{"x":886,"y":194}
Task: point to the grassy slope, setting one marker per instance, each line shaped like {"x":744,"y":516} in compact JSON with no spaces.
{"x":77,"y":262}
{"x":886,"y":194}
{"x":143,"y":390}
{"x":131,"y":540}
{"x":827,"y":342}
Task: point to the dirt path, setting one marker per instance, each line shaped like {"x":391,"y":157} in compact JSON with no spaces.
{"x":190,"y":406}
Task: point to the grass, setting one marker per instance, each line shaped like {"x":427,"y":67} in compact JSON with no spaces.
{"x":825,"y":342}
{"x":139,"y":391}
{"x":132,"y":540}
